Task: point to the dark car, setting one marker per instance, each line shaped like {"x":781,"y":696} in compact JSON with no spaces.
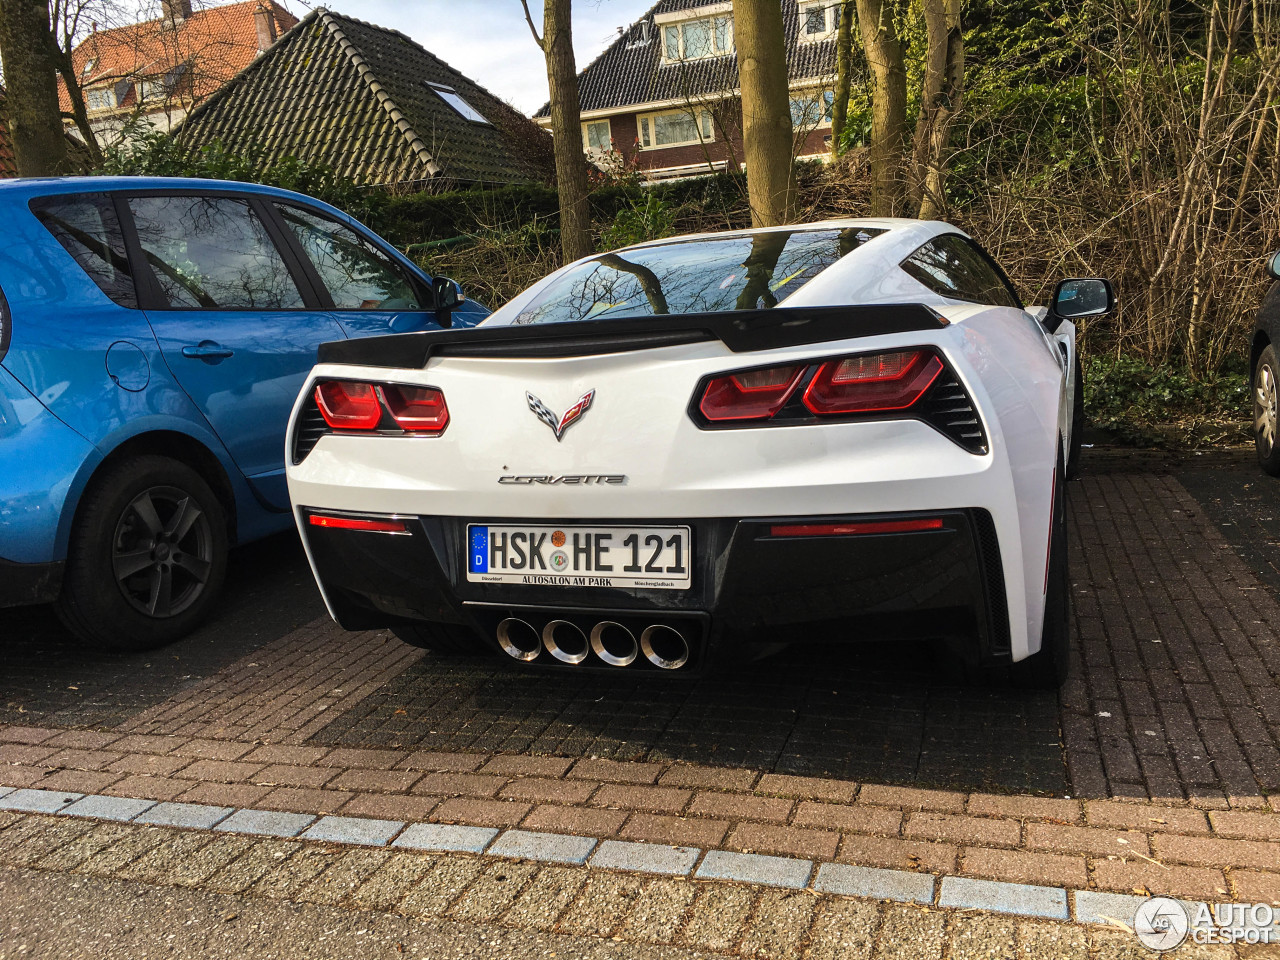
{"x":1264,"y":365}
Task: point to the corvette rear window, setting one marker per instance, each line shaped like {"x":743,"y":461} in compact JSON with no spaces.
{"x":742,"y":272}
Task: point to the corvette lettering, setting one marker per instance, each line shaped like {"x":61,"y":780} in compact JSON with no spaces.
{"x":574,"y":479}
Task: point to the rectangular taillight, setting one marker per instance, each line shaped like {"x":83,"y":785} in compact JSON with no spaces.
{"x":350,"y":405}
{"x":366,"y":524}
{"x":865,"y":383}
{"x":855,"y":528}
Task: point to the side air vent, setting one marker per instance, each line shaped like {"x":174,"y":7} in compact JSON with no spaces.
{"x":948,"y":408}
{"x":993,"y":574}
{"x":308,"y":430}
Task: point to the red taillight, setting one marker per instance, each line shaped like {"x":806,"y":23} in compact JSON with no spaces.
{"x":854,"y":529}
{"x":752,"y":395}
{"x":348,"y":406}
{"x":358,"y":523}
{"x":417,"y":409}
{"x":872,"y":382}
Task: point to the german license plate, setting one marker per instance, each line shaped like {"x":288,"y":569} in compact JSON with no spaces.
{"x":655,"y":558}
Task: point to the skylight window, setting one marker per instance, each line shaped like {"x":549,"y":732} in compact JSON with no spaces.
{"x":450,"y":96}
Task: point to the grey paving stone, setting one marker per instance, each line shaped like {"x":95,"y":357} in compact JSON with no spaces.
{"x":645,"y":857}
{"x":850,"y":881}
{"x":1094,"y":907}
{"x":266,"y":823}
{"x":1023,"y":899}
{"x":756,"y":868}
{"x":108,"y":808}
{"x":549,"y":847}
{"x":367,"y":832}
{"x":443,"y":836}
{"x":5,"y":791}
{"x":38,"y":801}
{"x":195,"y":815}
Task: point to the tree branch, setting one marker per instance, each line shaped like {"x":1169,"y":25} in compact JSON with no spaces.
{"x":532,"y":29}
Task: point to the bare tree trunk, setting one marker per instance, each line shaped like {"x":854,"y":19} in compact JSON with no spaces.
{"x":766,"y":111}
{"x":566,"y":126}
{"x":844,"y":65}
{"x":888,"y":107}
{"x":75,"y":93}
{"x":941,"y":96}
{"x":35,"y":122}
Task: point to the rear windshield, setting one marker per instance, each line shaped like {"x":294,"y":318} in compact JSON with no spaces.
{"x":743,"y":272}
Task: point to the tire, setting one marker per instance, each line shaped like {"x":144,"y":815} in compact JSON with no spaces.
{"x":447,"y":639}
{"x":1047,"y":669}
{"x":1266,"y":424}
{"x":1077,"y":424}
{"x":147,"y":557}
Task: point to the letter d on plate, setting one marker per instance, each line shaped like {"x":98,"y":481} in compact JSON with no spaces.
{"x":479,"y":560}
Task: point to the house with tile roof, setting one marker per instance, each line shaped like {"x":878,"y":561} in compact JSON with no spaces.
{"x":664,"y":97}
{"x":159,"y":70}
{"x":375,"y":107}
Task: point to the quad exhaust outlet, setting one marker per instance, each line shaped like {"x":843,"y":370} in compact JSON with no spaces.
{"x":663,"y":645}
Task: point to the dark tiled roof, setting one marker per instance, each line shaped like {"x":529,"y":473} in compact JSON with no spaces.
{"x":8,"y":166}
{"x":630,"y":71}
{"x":352,"y":95}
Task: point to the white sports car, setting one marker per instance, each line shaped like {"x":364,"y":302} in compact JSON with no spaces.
{"x":663,"y":457}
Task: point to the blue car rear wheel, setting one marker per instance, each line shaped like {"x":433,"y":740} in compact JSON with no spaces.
{"x":147,"y":557}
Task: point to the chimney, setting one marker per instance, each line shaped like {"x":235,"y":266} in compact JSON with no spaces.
{"x":264,"y":19}
{"x":175,"y":11}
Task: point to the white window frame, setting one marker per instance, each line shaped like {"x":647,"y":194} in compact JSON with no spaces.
{"x":703,"y":121}
{"x":105,"y":97}
{"x":809,"y":94}
{"x":586,"y":140}
{"x":462,"y":107}
{"x":680,"y":25}
{"x":830,"y":16}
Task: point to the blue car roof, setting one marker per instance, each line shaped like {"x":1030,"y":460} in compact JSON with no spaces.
{"x":24,"y":189}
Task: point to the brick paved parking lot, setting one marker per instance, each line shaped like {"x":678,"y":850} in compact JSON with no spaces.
{"x":1156,"y":770}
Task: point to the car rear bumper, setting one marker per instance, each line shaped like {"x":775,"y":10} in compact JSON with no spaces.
{"x":23,"y":583}
{"x":748,"y":586}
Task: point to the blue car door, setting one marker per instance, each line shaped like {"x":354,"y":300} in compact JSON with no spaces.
{"x":237,"y":326}
{"x":370,"y":291}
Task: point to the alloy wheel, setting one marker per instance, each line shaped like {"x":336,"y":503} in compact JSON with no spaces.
{"x":162,"y":551}
{"x":1264,"y":406}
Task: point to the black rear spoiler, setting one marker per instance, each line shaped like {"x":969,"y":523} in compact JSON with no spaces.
{"x":742,"y":331}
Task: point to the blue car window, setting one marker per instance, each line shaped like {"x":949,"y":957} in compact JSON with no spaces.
{"x":88,"y":229}
{"x":357,"y":275}
{"x":212,"y":253}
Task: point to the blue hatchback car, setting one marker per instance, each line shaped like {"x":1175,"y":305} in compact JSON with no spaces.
{"x":154,"y":334}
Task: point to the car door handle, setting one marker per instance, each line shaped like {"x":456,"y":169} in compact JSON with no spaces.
{"x":208,"y":351}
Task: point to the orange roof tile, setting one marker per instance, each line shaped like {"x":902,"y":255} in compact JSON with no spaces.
{"x":212,"y":45}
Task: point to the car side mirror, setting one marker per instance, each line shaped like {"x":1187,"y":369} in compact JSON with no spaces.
{"x":448,"y":295}
{"x":1078,"y":298}
{"x":1273,"y":266}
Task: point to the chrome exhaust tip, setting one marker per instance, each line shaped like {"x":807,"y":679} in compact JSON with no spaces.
{"x":614,"y":644}
{"x":565,"y":641}
{"x":665,"y":647}
{"x":519,"y":640}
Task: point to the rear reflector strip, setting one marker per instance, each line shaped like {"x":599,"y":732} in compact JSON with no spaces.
{"x":358,"y":523}
{"x":854,"y":529}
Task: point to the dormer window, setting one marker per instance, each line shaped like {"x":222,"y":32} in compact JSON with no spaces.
{"x":697,"y":39}
{"x":818,"y":21}
{"x":103,"y":98}
{"x":451,"y":97}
